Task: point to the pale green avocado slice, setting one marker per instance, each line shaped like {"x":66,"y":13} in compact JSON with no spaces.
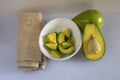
{"x":61,"y":37}
{"x":66,"y":45}
{"x":51,"y":45}
{"x":51,"y":38}
{"x":67,"y":32}
{"x":56,"y":54}
{"x":66,"y":51}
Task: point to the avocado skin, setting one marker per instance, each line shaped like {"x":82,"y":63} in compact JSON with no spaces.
{"x":103,"y":41}
{"x":89,"y":16}
{"x":56,"y":54}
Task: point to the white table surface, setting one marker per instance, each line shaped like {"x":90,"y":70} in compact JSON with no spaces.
{"x":76,"y":68}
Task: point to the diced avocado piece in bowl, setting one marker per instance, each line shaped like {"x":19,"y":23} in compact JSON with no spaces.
{"x":56,"y":54}
{"x":61,"y":37}
{"x":66,"y":45}
{"x":66,"y":51}
{"x":51,"y":38}
{"x":71,"y":40}
{"x":51,"y":45}
{"x":67,"y":32}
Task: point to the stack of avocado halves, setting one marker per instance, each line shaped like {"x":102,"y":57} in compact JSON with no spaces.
{"x":90,"y":22}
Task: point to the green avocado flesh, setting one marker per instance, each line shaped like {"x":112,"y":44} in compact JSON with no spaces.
{"x":67,"y":32}
{"x":71,"y":40}
{"x":56,"y":54}
{"x":51,"y":45}
{"x":66,"y":45}
{"x":51,"y":38}
{"x":66,"y":51}
{"x":93,"y":43}
{"x":60,"y":43}
{"x":61,"y":37}
{"x":89,"y":16}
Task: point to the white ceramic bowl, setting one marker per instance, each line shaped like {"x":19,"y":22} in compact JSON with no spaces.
{"x":57,"y":25}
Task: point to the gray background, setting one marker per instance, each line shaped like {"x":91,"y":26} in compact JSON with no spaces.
{"x":76,"y":68}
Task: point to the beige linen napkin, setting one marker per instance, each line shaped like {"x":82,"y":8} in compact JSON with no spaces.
{"x":29,"y":57}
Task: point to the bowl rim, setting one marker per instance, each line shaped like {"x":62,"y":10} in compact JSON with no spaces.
{"x":60,"y":59}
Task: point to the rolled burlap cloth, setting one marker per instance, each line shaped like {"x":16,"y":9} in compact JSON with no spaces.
{"x":29,"y":56}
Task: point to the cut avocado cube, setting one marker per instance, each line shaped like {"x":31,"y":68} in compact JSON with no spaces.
{"x":66,"y":51}
{"x":93,"y":43}
{"x":71,"y":40}
{"x":51,"y":45}
{"x":66,"y":45}
{"x":51,"y":38}
{"x":67,"y":32}
{"x":56,"y":54}
{"x":61,"y":37}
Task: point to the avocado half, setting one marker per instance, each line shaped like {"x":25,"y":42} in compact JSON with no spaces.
{"x":93,"y":43}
